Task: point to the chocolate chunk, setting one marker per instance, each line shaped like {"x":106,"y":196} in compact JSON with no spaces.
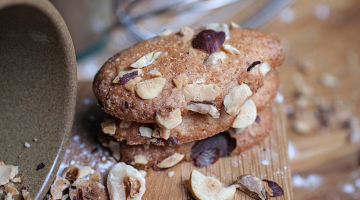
{"x":222,"y":141}
{"x":127,"y":77}
{"x":277,"y":190}
{"x":208,"y":157}
{"x":257,"y":119}
{"x":209,"y":40}
{"x":40,"y":166}
{"x":253,"y":65}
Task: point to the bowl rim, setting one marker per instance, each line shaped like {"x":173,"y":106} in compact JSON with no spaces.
{"x":54,"y":16}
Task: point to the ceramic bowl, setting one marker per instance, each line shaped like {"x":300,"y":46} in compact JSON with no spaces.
{"x":37,"y":90}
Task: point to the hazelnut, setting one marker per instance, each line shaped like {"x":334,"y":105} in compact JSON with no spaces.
{"x":145,"y":131}
{"x":125,"y":76}
{"x":187,"y":33}
{"x":253,"y":186}
{"x":155,"y":73}
{"x":170,"y":161}
{"x":236,"y":98}
{"x":204,"y":187}
{"x":204,"y":108}
{"x":201,"y":92}
{"x":246,"y":116}
{"x":168,"y":119}
{"x":74,"y":172}
{"x":151,"y":88}
{"x":215,"y":58}
{"x":180,"y":80}
{"x":10,"y":189}
{"x":125,"y":182}
{"x":146,"y":60}
{"x":60,"y":184}
{"x":140,"y":159}
{"x":230,"y":49}
{"x":109,"y":126}
{"x":7,"y":172}
{"x":130,"y":85}
{"x":25,"y":195}
{"x":87,"y":190}
{"x":264,"y":68}
{"x":166,"y":32}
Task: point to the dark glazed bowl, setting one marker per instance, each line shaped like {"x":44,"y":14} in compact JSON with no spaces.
{"x":37,"y":90}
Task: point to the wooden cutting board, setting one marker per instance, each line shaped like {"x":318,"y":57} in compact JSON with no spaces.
{"x":268,"y":160}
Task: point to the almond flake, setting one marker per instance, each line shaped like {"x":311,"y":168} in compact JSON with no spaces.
{"x":140,"y":159}
{"x":125,"y":124}
{"x":146,"y":60}
{"x":234,"y":25}
{"x":246,"y":116}
{"x":236,"y":98}
{"x":7,"y":172}
{"x":60,"y":184}
{"x":264,"y":68}
{"x":155,"y":73}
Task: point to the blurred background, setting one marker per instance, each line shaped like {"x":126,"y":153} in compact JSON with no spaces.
{"x":319,"y":79}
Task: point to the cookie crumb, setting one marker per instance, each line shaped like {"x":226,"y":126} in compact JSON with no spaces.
{"x":40,"y":166}
{"x":35,"y":140}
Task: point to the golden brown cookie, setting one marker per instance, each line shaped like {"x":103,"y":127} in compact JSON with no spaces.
{"x":204,"y":152}
{"x":193,"y":127}
{"x":161,"y":76}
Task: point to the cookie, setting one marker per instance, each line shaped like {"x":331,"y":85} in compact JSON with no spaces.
{"x":160,"y":77}
{"x":204,"y":152}
{"x":193,"y":127}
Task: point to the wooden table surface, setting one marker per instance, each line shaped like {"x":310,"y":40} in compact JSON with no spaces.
{"x":323,"y":32}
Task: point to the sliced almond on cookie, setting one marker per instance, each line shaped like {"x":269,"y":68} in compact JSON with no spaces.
{"x":204,"y":108}
{"x":146,"y":60}
{"x":201,"y":92}
{"x":171,"y":161}
{"x":168,"y":119}
{"x":204,"y":187}
{"x":155,"y":73}
{"x":125,"y":76}
{"x":125,"y":182}
{"x":151,"y":88}
{"x":166,"y":32}
{"x":264,"y":68}
{"x":246,"y":116}
{"x":236,"y":98}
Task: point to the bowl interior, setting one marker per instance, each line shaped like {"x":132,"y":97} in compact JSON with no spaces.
{"x":38,"y":90}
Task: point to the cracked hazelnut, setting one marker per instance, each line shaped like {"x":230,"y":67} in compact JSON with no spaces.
{"x":246,"y":116}
{"x":74,"y":172}
{"x":230,"y":49}
{"x":170,"y":161}
{"x":155,"y":73}
{"x":204,"y":187}
{"x":125,"y":76}
{"x":125,"y":182}
{"x":130,"y":85}
{"x":10,"y":189}
{"x":109,"y":126}
{"x":201,"y":92}
{"x":187,"y":33}
{"x":180,"y":80}
{"x":7,"y":172}
{"x":204,"y":108}
{"x":253,"y":186}
{"x":145,"y":131}
{"x":146,"y":60}
{"x":215,"y":58}
{"x":151,"y":88}
{"x":60,"y":184}
{"x":87,"y":190}
{"x":168,"y":119}
{"x":236,"y":98}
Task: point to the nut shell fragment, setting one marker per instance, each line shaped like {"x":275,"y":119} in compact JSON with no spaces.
{"x":146,"y":60}
{"x":151,"y":88}
{"x":208,"y":188}
{"x":246,"y":116}
{"x":7,"y":172}
{"x":170,"y":161}
{"x":236,"y":98}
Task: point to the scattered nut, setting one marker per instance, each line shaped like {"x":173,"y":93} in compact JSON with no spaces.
{"x":65,"y":197}
{"x":60,"y":184}
{"x":204,"y":108}
{"x":301,"y":86}
{"x":145,"y":131}
{"x":168,"y":119}
{"x":170,"y":174}
{"x":234,"y":25}
{"x":125,"y":124}
{"x":130,"y":85}
{"x":253,"y":186}
{"x":25,"y":195}
{"x":208,"y":40}
{"x":74,"y":172}
{"x":146,"y":60}
{"x":10,"y":189}
{"x":215,"y":58}
{"x":151,"y":88}
{"x":87,"y":190}
{"x":27,"y":145}
{"x":218,"y":27}
{"x":201,"y":92}
{"x":95,"y":177}
{"x":109,"y":126}
{"x":264,"y":68}
{"x":155,"y":73}
{"x":165,"y":133}
{"x":140,"y":159}
{"x":165,"y":32}
{"x":180,"y":80}
{"x":253,"y":65}
{"x":7,"y":172}
{"x":170,"y":161}
{"x":204,"y":187}
{"x":304,"y":122}
{"x":230,"y":49}
{"x":246,"y":116}
{"x":125,"y":76}
{"x":236,"y":98}
{"x":114,"y":146}
{"x":35,"y":140}
{"x":16,"y":179}
{"x":8,"y":196}
{"x":329,"y":80}
{"x":187,"y":34}
{"x":143,"y":173}
{"x":125,"y":182}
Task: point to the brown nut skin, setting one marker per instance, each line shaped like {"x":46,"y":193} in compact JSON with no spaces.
{"x":181,"y":58}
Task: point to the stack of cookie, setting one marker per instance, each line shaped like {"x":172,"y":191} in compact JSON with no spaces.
{"x":193,"y":95}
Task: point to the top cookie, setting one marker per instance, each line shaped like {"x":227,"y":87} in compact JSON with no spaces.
{"x":157,"y":79}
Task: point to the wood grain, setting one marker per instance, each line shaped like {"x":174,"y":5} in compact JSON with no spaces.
{"x":268,"y":160}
